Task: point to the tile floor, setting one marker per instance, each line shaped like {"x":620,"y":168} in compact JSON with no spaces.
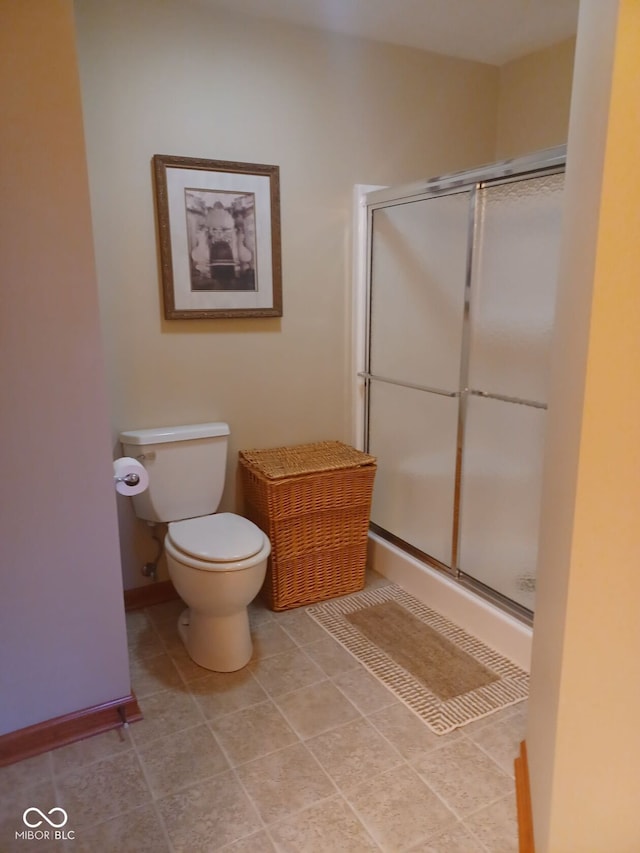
{"x":301,"y":751}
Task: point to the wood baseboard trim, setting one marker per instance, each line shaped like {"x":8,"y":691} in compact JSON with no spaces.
{"x":147,"y":596}
{"x":523,"y":802}
{"x":60,"y":731}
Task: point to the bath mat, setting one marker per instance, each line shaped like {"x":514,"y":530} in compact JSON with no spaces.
{"x":446,"y":676}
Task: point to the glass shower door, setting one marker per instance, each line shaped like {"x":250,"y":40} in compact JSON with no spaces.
{"x":513,"y":288}
{"x":417,"y":298}
{"x":462,"y":282}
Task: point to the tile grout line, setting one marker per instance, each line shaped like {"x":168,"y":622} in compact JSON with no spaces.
{"x":253,"y":805}
{"x":453,"y":809}
{"x":204,"y":721}
{"x":412,"y":767}
{"x":154,"y":804}
{"x":475,"y":836}
{"x":510,"y":776}
{"x":87,"y":765}
{"x":229,"y":768}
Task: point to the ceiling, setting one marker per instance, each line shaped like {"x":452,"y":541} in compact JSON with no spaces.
{"x":492,"y":31}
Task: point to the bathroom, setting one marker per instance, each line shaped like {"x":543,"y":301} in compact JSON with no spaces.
{"x":158,"y":79}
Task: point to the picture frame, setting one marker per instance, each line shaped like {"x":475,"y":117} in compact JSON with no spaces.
{"x":219,"y":238}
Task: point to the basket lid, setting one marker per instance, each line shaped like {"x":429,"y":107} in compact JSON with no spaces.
{"x":279,"y":462}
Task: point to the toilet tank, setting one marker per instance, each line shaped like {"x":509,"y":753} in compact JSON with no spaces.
{"x":186,"y":466}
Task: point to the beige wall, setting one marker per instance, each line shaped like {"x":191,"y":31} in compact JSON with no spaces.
{"x":170,"y":78}
{"x":62,"y":632}
{"x":535,"y":96}
{"x":583,"y":736}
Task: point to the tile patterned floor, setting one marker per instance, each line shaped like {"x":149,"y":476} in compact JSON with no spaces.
{"x":302,"y":750}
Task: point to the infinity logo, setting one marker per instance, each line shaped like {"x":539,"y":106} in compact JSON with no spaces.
{"x":44,"y":816}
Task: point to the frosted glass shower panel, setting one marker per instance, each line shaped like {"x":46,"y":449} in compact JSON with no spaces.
{"x":513,"y":286}
{"x":418,"y":262}
{"x":413,"y":435}
{"x":500,"y":496}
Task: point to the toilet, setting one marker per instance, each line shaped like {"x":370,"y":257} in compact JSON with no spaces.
{"x":217,"y":561}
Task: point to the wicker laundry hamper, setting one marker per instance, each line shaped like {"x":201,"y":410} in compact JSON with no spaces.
{"x":313,"y":501}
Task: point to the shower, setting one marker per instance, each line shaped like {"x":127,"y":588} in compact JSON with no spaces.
{"x":452,"y":383}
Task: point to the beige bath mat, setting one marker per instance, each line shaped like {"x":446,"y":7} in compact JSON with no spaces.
{"x":446,"y":676}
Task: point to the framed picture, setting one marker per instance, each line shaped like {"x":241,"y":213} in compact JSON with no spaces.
{"x":219,"y":235}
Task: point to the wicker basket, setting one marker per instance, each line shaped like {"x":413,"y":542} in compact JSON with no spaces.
{"x":313,"y":501}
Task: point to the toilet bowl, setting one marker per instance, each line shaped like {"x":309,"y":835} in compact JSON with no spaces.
{"x":217,"y":561}
{"x":217,"y":564}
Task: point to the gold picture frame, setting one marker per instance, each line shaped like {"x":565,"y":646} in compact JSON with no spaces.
{"x":219,"y":238}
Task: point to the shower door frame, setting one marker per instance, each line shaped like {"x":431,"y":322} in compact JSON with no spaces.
{"x":547,"y":162}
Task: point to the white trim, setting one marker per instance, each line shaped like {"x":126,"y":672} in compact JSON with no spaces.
{"x":359,"y":309}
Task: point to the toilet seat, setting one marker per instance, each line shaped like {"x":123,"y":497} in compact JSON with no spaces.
{"x":211,"y":539}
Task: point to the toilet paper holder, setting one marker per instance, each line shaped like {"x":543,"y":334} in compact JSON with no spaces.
{"x":128,"y":479}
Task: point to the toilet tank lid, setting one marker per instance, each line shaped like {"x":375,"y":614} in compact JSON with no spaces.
{"x":160,"y":435}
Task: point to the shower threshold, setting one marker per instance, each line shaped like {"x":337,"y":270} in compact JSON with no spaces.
{"x":499,"y":622}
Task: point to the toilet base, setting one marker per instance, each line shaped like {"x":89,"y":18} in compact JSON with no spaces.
{"x":218,"y":643}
